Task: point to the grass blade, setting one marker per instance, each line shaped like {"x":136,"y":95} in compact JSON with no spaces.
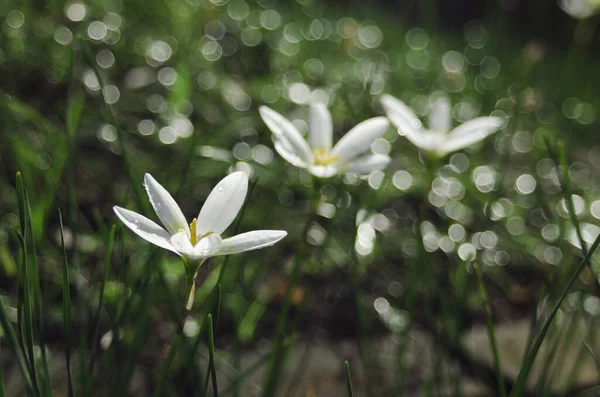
{"x":66,"y":307}
{"x":490,"y":331}
{"x":14,"y":343}
{"x":37,"y":299}
{"x":519,"y":386}
{"x":211,"y":355}
{"x":348,"y":379}
{"x":27,"y":325}
{"x":96,"y":321}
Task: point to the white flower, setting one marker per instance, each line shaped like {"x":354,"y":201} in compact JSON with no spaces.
{"x":580,"y":9}
{"x":438,"y":139}
{"x":317,"y":155}
{"x":202,"y":238}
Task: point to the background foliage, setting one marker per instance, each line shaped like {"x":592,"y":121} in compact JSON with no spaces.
{"x":94,"y":95}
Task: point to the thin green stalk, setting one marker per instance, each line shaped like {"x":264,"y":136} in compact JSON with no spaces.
{"x":558,"y":341}
{"x":28,"y":305}
{"x":278,"y":351}
{"x":566,"y":186}
{"x":206,"y":382}
{"x":490,"y":331}
{"x":72,"y":117}
{"x":96,"y":318}
{"x":211,"y":355}
{"x":28,"y":320}
{"x":14,"y":343}
{"x":66,"y":308}
{"x":348,"y":379}
{"x":593,"y":355}
{"x":520,"y":383}
{"x":191,"y":290}
{"x":219,"y":297}
{"x":37,"y":300}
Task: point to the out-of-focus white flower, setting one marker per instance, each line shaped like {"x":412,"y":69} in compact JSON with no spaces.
{"x":438,"y":139}
{"x":580,"y":9}
{"x":317,"y":155}
{"x":202,"y":238}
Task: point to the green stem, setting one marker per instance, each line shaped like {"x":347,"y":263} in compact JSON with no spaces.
{"x":278,"y":351}
{"x":191,"y":293}
{"x":490,"y":330}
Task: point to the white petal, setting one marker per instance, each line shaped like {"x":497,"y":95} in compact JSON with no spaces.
{"x":323,"y":171}
{"x":580,"y":9}
{"x":205,"y":248}
{"x":427,"y":140}
{"x":407,"y":122}
{"x":165,"y":206}
{"x":145,"y":228}
{"x":320,"y":132}
{"x":400,"y":114}
{"x":359,"y":138}
{"x":367,"y":164}
{"x":283,"y":148}
{"x":440,"y":119}
{"x":284,"y":129}
{"x":251,"y":241}
{"x":223,"y":204}
{"x":471,"y":132}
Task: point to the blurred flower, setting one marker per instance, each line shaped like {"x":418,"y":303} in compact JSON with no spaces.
{"x":580,"y":9}
{"x":317,"y":155}
{"x":438,"y":139}
{"x":202,"y":238}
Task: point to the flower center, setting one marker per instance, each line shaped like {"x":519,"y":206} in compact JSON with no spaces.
{"x":323,"y":158}
{"x":194,"y":238}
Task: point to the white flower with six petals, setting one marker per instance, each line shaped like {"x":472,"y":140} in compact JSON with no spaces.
{"x":318,"y":155}
{"x":439,"y":139}
{"x":202,"y":238}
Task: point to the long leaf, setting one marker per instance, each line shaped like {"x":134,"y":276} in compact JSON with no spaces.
{"x":66,"y":307}
{"x":490,"y":330}
{"x":211,"y":355}
{"x":520,"y":383}
{"x":96,"y":321}
{"x":14,"y":343}
{"x":348,"y":379}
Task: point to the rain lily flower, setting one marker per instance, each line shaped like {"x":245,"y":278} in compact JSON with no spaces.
{"x":319,"y":155}
{"x":580,"y":9}
{"x":200,"y":239}
{"x":439,"y":139}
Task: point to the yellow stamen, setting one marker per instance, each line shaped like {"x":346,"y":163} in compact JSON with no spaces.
{"x":321,"y":157}
{"x":193,"y":239}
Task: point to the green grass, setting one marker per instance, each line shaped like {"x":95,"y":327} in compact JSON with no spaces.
{"x":500,"y":233}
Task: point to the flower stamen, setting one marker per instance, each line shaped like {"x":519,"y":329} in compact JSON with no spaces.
{"x":322,"y":157}
{"x":193,"y":238}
